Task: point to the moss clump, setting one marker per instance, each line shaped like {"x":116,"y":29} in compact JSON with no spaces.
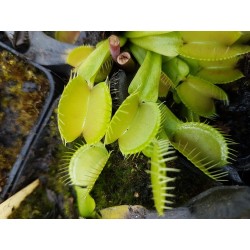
{"x":123,"y":181}
{"x":23,"y":90}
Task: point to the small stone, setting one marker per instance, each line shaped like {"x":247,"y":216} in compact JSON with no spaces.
{"x":224,"y":202}
{"x":29,"y":87}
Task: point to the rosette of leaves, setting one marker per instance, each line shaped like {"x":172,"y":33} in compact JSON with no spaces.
{"x":184,"y":63}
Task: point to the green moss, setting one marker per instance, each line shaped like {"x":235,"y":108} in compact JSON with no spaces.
{"x":23,"y":90}
{"x":33,"y":207}
{"x":123,"y":181}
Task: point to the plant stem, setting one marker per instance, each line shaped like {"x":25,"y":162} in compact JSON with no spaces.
{"x":126,"y":62}
{"x":114,"y":46}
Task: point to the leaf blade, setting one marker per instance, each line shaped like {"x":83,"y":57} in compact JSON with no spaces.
{"x":72,"y":109}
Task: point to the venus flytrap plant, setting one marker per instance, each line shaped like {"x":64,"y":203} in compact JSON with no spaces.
{"x":92,"y":118}
{"x":166,"y":44}
{"x":165,"y":82}
{"x":85,"y":108}
{"x":89,"y":68}
{"x":130,"y":124}
{"x":85,"y":203}
{"x":195,"y":93}
{"x":118,"y":84}
{"x":198,"y":95}
{"x":95,"y":101}
{"x":114,"y":47}
{"x":188,"y":64}
{"x":217,"y":72}
{"x":206,"y":147}
{"x":212,"y":45}
{"x":83,"y":167}
{"x":86,"y":164}
{"x":77,"y":55}
{"x":160,"y":154}
{"x":176,"y":69}
{"x":147,"y":78}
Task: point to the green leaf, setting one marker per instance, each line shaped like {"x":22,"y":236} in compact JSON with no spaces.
{"x":198,"y":94}
{"x":104,"y":70}
{"x":220,"y":71}
{"x":161,"y":154}
{"x":166,"y":44}
{"x":85,"y":166}
{"x":169,"y":122}
{"x":122,"y":118}
{"x":131,"y":125}
{"x":212,"y":45}
{"x":164,"y":85}
{"x":92,"y":64}
{"x":212,"y":51}
{"x":165,"y":82}
{"x":77,"y":55}
{"x":85,"y":110}
{"x":176,"y":69}
{"x":138,"y":52}
{"x":98,"y":113}
{"x":72,"y":109}
{"x":86,"y":207}
{"x":223,"y":71}
{"x":226,"y":38}
{"x":146,"y":81}
{"x":142,"y":129}
{"x":90,"y":67}
{"x":200,"y":143}
{"x":204,"y":146}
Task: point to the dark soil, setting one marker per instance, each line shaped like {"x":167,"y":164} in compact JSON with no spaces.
{"x":235,"y":121}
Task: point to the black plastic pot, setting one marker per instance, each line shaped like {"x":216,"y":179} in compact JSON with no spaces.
{"x":14,"y":182}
